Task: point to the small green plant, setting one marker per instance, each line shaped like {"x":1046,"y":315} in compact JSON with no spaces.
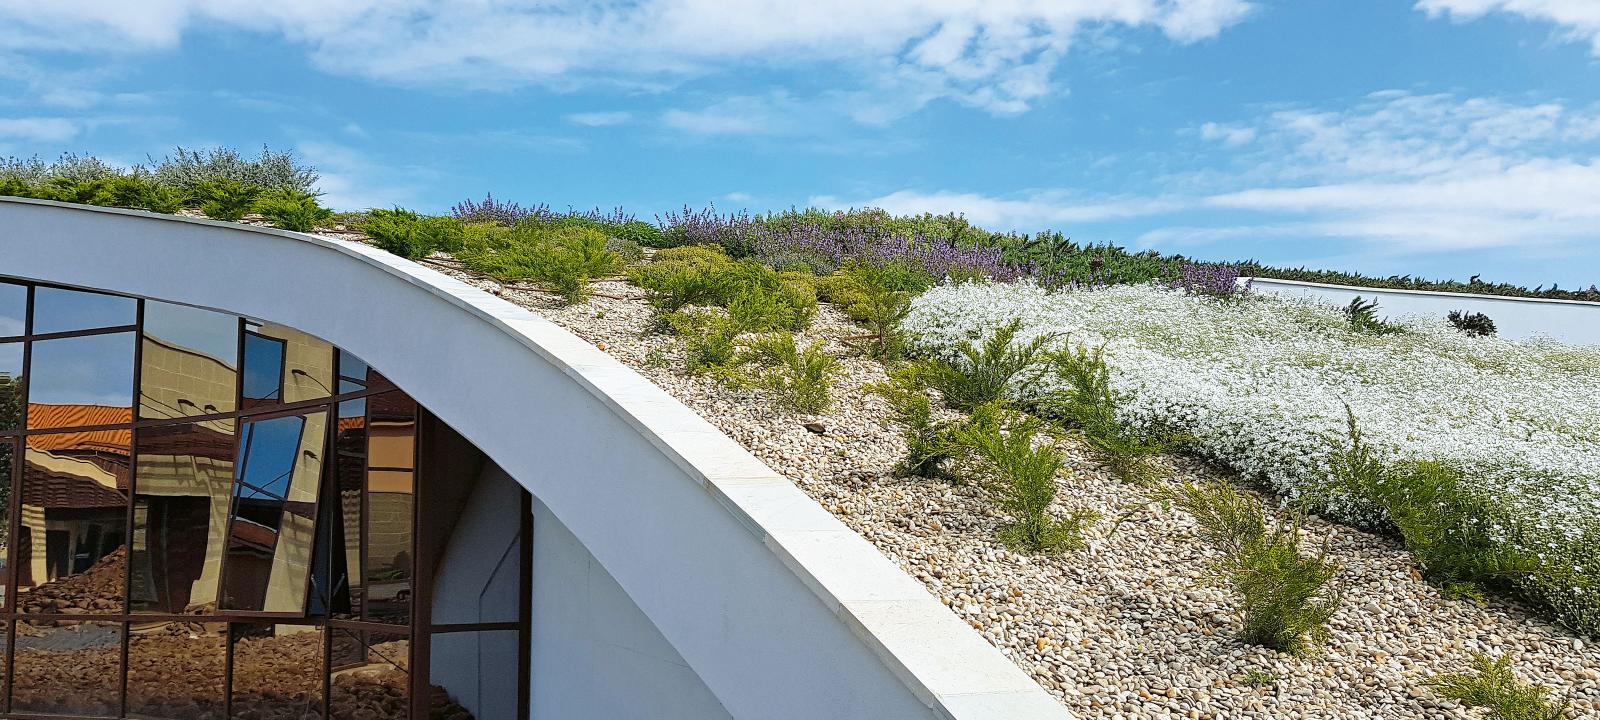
{"x":1284,"y":596}
{"x":1018,"y":468}
{"x":710,"y":340}
{"x":1088,"y":403}
{"x":290,"y":209}
{"x":800,"y":378}
{"x":682,"y":276}
{"x":1258,"y":678}
{"x":929,"y":442}
{"x":639,"y":232}
{"x":1473,"y":324}
{"x":140,"y":191}
{"x":628,"y":250}
{"x":983,"y":374}
{"x":225,"y":199}
{"x":1492,"y":686}
{"x":1362,"y":315}
{"x":561,"y":259}
{"x":878,"y":296}
{"x":411,"y":235}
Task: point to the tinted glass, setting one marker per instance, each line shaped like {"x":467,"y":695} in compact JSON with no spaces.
{"x":188,"y":365}
{"x":56,"y":310}
{"x":277,"y":671}
{"x":368,"y":675}
{"x":183,"y":488}
{"x":69,"y":556}
{"x":81,"y":381}
{"x":176,"y":672}
{"x":391,"y":453}
{"x":307,"y":363}
{"x":8,"y":458}
{"x":67,"y":668}
{"x":474,"y":672}
{"x":347,"y":585}
{"x":272,"y":531}
{"x":352,"y":372}
{"x":13,"y":309}
{"x":11,"y":395}
{"x":263,"y":370}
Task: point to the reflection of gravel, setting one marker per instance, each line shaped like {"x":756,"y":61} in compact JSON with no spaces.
{"x":76,"y":636}
{"x":1129,"y":628}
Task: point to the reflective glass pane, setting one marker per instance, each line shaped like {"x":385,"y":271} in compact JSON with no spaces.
{"x":13,"y":309}
{"x":475,"y":673}
{"x":176,"y":671}
{"x":183,"y":489}
{"x":272,"y":531}
{"x":278,"y":671}
{"x":73,"y":382}
{"x":352,"y":372}
{"x":391,"y":456}
{"x":263,"y":370}
{"x":11,"y":394}
{"x":67,"y":668}
{"x":57,"y":310}
{"x":188,"y":362}
{"x":307,"y":363}
{"x":369,"y":677}
{"x":70,"y":556}
{"x":8,"y":456}
{"x":347,"y":584}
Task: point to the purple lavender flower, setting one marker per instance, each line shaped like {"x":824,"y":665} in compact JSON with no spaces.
{"x":1212,"y":279}
{"x":492,"y":210}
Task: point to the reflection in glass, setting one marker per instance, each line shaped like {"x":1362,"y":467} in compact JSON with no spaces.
{"x":73,"y":382}
{"x":69,"y":556}
{"x":477,"y":672}
{"x":369,"y":675}
{"x":307,"y":363}
{"x":347,"y":584}
{"x":391,"y":459}
{"x":277,"y":671}
{"x":352,"y":372}
{"x":187,"y":362}
{"x":57,"y":310}
{"x":8,"y":455}
{"x":183,"y":488}
{"x":272,"y":525}
{"x":11,"y":394}
{"x":13,"y":310}
{"x":67,"y":668}
{"x":176,"y":671}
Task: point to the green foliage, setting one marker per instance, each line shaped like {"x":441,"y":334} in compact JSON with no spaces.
{"x":411,"y":235}
{"x":983,"y":374}
{"x":187,"y":170}
{"x":710,"y":339}
{"x":1284,"y":595}
{"x":1363,"y":318}
{"x":225,"y":199}
{"x":1406,"y":282}
{"x":878,"y":296}
{"x":929,"y":442}
{"x":876,"y":222}
{"x":1491,"y":685}
{"x":628,"y":250}
{"x":639,"y":232}
{"x":292,"y":210}
{"x":682,"y":276}
{"x":799,"y":378}
{"x":561,"y":259}
{"x":1473,"y":324}
{"x":758,"y":298}
{"x":1088,"y":403}
{"x":1018,"y":469}
{"x":1258,"y":678}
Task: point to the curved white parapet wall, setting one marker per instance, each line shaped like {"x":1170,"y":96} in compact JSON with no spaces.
{"x":1570,"y":321}
{"x":781,"y":610}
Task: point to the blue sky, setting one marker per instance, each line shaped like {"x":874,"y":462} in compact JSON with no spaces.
{"x":1426,"y":137}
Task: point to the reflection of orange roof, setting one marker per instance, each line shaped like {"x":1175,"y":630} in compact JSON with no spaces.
{"x":111,"y":441}
{"x":352,"y":423}
{"x":41,"y":415}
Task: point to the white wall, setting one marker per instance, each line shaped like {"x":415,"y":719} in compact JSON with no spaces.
{"x":479,"y":577}
{"x":1573,"y":322}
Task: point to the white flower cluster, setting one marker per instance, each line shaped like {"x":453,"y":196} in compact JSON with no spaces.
{"x":1262,"y":383}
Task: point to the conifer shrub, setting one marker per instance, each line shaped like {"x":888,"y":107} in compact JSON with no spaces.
{"x":292,"y":210}
{"x":225,"y":198}
{"x":640,"y":233}
{"x":1017,"y":468}
{"x":1084,"y":399}
{"x":929,"y":441}
{"x":800,"y":378}
{"x":1362,"y":316}
{"x":1491,"y":685}
{"x":1473,"y":324}
{"x":981,"y":374}
{"x":411,"y":235}
{"x":561,"y":259}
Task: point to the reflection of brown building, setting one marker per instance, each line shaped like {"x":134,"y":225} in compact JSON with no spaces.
{"x":74,"y":492}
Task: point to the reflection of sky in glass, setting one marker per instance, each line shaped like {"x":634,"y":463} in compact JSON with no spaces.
{"x":353,"y":408}
{"x":263,"y":367}
{"x":212,"y":333}
{"x":89,"y":370}
{"x":11,"y":359}
{"x":267,"y":457}
{"x":57,"y":310}
{"x":13,"y":309}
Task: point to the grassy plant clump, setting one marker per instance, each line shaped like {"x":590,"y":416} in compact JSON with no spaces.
{"x":759,"y":298}
{"x":800,"y":378}
{"x":1018,"y":468}
{"x":225,"y":199}
{"x":1085,"y":400}
{"x":1284,"y":595}
{"x":710,"y":339}
{"x":929,"y":442}
{"x":292,"y":210}
{"x":1492,"y":686}
{"x":982,"y":374}
{"x":1362,"y":316}
{"x":561,"y":259}
{"x":640,"y":233}
{"x":411,"y":235}
{"x":1473,"y":324}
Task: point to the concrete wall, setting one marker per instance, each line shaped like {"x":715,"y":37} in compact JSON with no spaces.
{"x":1569,"y":321}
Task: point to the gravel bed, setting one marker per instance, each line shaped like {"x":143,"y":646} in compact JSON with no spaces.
{"x":1129,"y":628}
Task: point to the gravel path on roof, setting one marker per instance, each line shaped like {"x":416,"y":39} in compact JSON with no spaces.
{"x":1129,"y":628}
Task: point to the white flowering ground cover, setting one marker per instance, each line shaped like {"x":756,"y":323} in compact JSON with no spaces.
{"x":1262,"y":383}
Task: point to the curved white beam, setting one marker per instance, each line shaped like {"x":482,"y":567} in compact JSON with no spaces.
{"x":780,"y":609}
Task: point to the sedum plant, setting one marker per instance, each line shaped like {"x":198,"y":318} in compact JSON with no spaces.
{"x":1491,"y":685}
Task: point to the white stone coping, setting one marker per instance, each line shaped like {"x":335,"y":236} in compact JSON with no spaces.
{"x":947,"y":665}
{"x":1408,"y":291}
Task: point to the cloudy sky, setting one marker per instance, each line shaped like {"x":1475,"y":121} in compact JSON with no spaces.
{"x":1425,"y":137}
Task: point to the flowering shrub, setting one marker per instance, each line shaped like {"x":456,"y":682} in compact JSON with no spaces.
{"x":492,"y":210}
{"x":734,"y":233}
{"x":1262,"y":384}
{"x":1211,"y":279}
{"x":825,"y":249}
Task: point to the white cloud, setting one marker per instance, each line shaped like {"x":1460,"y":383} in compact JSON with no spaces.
{"x":1578,"y":19}
{"x":38,"y":129}
{"x":1228,"y":135}
{"x":600,"y":119}
{"x":351,"y":181}
{"x":998,"y":55}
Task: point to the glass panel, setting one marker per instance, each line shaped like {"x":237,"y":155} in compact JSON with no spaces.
{"x":74,"y":516}
{"x":391,"y":453}
{"x":307,"y":363}
{"x":277,"y":671}
{"x":349,"y":582}
{"x":13,"y":310}
{"x":369,"y":675}
{"x":352,"y":372}
{"x":81,"y":381}
{"x":272,"y":533}
{"x":180,"y":516}
{"x":263,"y":370}
{"x":475,"y":674}
{"x":58,"y":310}
{"x":68,"y":668}
{"x":188,"y":362}
{"x":8,"y":454}
{"x":11,"y":395}
{"x":176,"y":671}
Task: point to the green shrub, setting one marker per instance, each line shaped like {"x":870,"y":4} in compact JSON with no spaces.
{"x":17,"y":187}
{"x":682,"y":276}
{"x":411,"y":235}
{"x":1019,"y":471}
{"x":560,"y":259}
{"x":225,"y":199}
{"x":138,"y":191}
{"x":1362,"y":315}
{"x":1473,"y":324}
{"x":929,"y":443}
{"x":639,"y":232}
{"x":628,"y":250}
{"x":758,"y":298}
{"x":710,"y":340}
{"x":292,"y":210}
{"x":1284,"y":596}
{"x":983,"y":374}
{"x":186,"y":170}
{"x":878,"y":296}
{"x":1088,"y":403}
{"x":800,"y":378}
{"x":1491,"y":685}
